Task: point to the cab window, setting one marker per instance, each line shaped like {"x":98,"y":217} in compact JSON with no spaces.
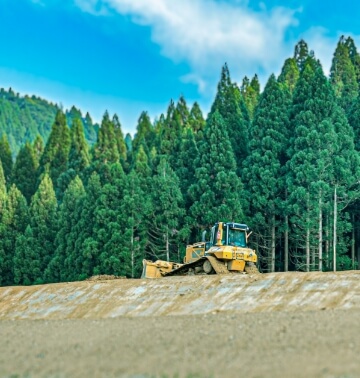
{"x":237,"y":238}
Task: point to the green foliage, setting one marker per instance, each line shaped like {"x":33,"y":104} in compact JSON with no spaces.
{"x":55,"y":157}
{"x":301,"y":54}
{"x":323,"y":158}
{"x":25,"y":171}
{"x":13,"y":223}
{"x":263,"y":172}
{"x":2,"y":190}
{"x":354,"y":121}
{"x":108,"y":220}
{"x":145,"y":134}
{"x":167,"y":207}
{"x":26,"y":261}
{"x":216,"y":190}
{"x":90,"y":129}
{"x":135,"y":209}
{"x":289,"y":74}
{"x":6,"y":158}
{"x":84,"y":257}
{"x":23,"y":118}
{"x":62,"y":265}
{"x":106,"y":147}
{"x":79,"y":158}
{"x":343,"y":75}
{"x":250,"y":92}
{"x":43,"y":222}
{"x":230,"y":105}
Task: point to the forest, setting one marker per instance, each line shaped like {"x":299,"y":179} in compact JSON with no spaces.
{"x":78,"y":199}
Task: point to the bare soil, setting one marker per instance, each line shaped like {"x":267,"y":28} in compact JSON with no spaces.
{"x":321,"y":341}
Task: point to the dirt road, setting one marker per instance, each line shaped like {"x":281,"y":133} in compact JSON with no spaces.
{"x":45,"y":339}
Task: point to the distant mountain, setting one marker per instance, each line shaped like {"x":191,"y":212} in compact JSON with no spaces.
{"x":23,"y":118}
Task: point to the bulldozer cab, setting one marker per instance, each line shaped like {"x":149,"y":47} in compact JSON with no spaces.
{"x":235,"y":234}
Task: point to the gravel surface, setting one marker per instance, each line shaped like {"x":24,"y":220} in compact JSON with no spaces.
{"x":223,"y":344}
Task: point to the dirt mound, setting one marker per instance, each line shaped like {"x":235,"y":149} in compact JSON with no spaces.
{"x":271,"y":325}
{"x":188,"y":295}
{"x":105,"y":277}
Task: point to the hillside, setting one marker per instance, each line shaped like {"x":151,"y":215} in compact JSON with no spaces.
{"x":22,"y":118}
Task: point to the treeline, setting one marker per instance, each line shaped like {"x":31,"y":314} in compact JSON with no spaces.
{"x":285,"y":161}
{"x":22,"y":119}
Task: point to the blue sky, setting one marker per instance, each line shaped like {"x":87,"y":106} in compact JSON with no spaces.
{"x":126,"y":56}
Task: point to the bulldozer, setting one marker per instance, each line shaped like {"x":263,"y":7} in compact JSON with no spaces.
{"x":226,"y":252}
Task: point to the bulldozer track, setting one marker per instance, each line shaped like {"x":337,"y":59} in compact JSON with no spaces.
{"x":218,"y":266}
{"x":250,"y":268}
{"x":186,"y":269}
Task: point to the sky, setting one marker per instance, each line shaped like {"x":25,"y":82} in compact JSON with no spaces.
{"x":129,"y":56}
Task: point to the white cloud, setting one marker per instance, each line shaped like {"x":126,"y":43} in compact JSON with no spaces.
{"x":195,"y":79}
{"x":208,"y":33}
{"x":95,"y":7}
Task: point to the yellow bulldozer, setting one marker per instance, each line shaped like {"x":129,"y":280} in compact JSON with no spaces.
{"x":226,"y":252}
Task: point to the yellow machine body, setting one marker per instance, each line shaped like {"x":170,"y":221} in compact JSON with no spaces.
{"x":226,"y":252}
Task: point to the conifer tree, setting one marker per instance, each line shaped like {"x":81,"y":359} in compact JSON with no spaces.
{"x":2,"y":190}
{"x":24,"y":172}
{"x":343,"y":76}
{"x":170,"y":134}
{"x":142,"y":168}
{"x":26,"y":262}
{"x":85,"y":256}
{"x":135,"y":209}
{"x":55,"y":157}
{"x":106,"y":147}
{"x":167,"y":206}
{"x":323,"y":159}
{"x":106,"y":151}
{"x":119,"y":139}
{"x":183,"y":111}
{"x":79,"y":158}
{"x":43,"y":223}
{"x":263,"y":171}
{"x":354,"y":121}
{"x":289,"y":74}
{"x":144,"y":135}
{"x":216,"y":193}
{"x":250,"y":92}
{"x":38,"y":148}
{"x":354,"y":56}
{"x":6,"y":158}
{"x":301,"y":53}
{"x":61,"y":266}
{"x":90,"y":129}
{"x":107,"y":230}
{"x":186,"y":163}
{"x":236,"y":123}
{"x":185,"y":171}
{"x":13,"y":223}
{"x":196,"y":121}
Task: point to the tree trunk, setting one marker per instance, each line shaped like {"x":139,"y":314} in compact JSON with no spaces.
{"x":320,"y":235}
{"x":132,"y":254}
{"x":307,"y":242}
{"x":335,"y":225}
{"x":327,"y":244}
{"x":273,"y":244}
{"x":286,"y":244}
{"x":353,"y":241}
{"x":167,"y":247}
